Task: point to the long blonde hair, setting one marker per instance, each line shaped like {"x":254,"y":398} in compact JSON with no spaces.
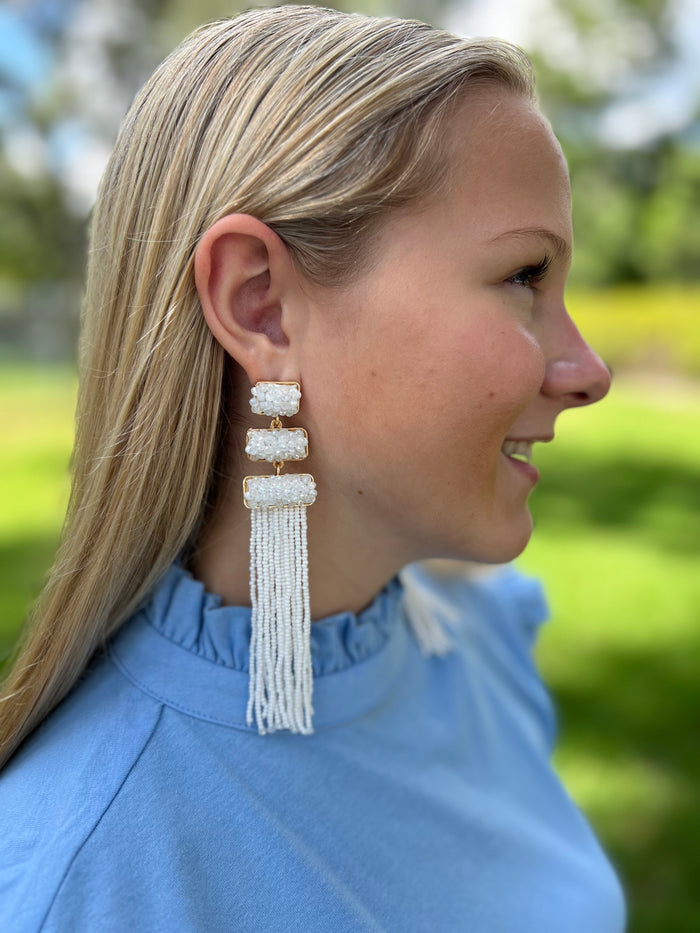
{"x":316,"y":122}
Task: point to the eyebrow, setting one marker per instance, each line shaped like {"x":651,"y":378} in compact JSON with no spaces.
{"x":562,"y":249}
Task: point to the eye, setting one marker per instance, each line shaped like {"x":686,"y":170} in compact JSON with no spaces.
{"x":529,"y":276}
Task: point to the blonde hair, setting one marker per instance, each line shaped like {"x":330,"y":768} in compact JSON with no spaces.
{"x":318,"y":123}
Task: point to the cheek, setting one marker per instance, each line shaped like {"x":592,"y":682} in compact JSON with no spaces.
{"x":513,"y":357}
{"x":370,"y":403}
{"x":487,"y":378}
{"x":426,"y":386}
{"x":376,"y":376}
{"x":341,"y":391}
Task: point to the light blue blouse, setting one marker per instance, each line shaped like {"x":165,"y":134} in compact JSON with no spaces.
{"x":424,"y":801}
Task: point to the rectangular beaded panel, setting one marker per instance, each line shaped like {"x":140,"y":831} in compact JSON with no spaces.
{"x":275,"y":398}
{"x":277,"y":444}
{"x":261,"y":492}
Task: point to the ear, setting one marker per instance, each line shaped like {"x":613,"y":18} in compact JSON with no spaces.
{"x":245,"y":277}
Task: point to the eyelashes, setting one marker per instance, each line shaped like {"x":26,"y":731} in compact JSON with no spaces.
{"x":529,"y":276}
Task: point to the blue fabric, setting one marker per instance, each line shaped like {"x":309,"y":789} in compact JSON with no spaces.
{"x":424,"y":801}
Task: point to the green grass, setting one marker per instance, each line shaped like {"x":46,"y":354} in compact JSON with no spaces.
{"x":36,"y":423}
{"x":617,"y":542}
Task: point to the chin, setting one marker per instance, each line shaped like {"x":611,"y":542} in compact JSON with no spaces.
{"x":499,"y":549}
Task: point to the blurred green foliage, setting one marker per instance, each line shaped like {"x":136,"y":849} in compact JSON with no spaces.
{"x":653,"y":328}
{"x":36,"y":423}
{"x":635,"y":214}
{"x":616,"y":542}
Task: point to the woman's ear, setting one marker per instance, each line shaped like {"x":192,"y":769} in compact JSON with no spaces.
{"x":244,"y":276}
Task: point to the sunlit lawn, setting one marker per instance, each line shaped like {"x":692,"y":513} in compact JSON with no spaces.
{"x":36,"y":425}
{"x":618,"y":544}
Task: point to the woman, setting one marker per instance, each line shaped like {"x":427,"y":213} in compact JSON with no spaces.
{"x":376,"y":211}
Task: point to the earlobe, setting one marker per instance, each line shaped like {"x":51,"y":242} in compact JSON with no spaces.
{"x":242,"y":274}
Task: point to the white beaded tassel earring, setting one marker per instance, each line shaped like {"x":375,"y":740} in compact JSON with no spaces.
{"x":281,"y":677}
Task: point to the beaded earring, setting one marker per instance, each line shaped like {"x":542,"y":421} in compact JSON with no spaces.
{"x":281,"y":677}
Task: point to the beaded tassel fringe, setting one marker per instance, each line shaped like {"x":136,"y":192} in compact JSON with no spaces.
{"x":281,"y":676}
{"x":281,"y":679}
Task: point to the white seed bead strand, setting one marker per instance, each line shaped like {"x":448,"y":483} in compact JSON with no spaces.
{"x":277,"y":399}
{"x":299,"y":519}
{"x":254,"y":629}
{"x":267,"y":705}
{"x":278,"y":713}
{"x":306,"y":671}
{"x":281,"y":677}
{"x":273,"y":620}
{"x":285,"y":665}
{"x":258,"y":573}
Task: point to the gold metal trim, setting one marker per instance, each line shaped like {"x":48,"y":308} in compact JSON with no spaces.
{"x":270,"y":382}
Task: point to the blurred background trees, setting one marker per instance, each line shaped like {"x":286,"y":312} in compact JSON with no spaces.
{"x":617,"y":79}
{"x":625,"y":101}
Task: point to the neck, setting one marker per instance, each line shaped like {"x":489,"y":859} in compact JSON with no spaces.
{"x":346,"y":569}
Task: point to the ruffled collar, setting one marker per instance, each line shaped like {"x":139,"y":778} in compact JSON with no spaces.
{"x":189,"y":651}
{"x":185,"y":613}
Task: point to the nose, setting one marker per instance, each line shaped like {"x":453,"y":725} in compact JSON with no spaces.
{"x":575,"y":374}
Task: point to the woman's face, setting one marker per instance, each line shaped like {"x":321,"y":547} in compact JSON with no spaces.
{"x":454,"y":351}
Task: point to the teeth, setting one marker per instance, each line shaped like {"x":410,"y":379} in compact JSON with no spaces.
{"x":519,"y":450}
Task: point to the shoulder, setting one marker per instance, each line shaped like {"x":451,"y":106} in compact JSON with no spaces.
{"x":57,"y":788}
{"x":462,"y":595}
{"x":492,"y":615}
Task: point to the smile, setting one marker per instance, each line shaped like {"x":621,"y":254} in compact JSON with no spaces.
{"x":518,"y":450}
